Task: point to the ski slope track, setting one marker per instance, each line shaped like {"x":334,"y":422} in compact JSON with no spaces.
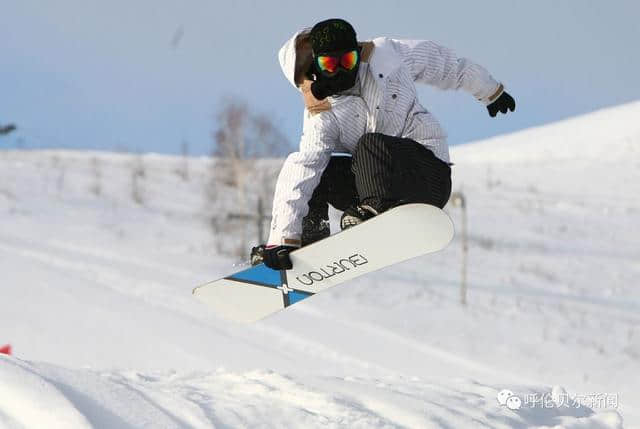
{"x":99,"y":253}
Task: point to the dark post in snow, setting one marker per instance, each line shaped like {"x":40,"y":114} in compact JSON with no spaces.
{"x":458,"y":200}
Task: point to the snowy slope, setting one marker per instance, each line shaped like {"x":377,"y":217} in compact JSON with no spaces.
{"x":259,"y":398}
{"x":97,"y":274}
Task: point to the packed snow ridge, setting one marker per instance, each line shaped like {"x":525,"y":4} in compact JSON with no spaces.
{"x":99,"y":253}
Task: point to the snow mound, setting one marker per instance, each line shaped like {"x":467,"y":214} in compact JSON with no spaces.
{"x":29,"y":400}
{"x":41,"y":395}
{"x":611,"y":133}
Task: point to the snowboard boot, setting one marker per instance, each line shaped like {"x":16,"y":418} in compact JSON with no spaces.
{"x":355,"y":215}
{"x":314,"y":229}
{"x":369,"y":208}
{"x":257,"y":255}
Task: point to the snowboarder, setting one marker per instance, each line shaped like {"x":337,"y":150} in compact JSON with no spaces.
{"x":360,"y":99}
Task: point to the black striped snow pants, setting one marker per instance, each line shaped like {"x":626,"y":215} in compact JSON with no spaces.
{"x":382,"y":171}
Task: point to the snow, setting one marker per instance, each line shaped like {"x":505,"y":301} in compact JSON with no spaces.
{"x":95,"y":298}
{"x":42,"y":395}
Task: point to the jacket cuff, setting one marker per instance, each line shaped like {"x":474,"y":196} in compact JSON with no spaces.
{"x":276,"y":239}
{"x":295,"y":242}
{"x":493,"y":95}
{"x":291,"y":242}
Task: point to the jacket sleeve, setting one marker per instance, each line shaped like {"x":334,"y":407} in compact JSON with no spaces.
{"x":300,"y":175}
{"x":439,"y":66}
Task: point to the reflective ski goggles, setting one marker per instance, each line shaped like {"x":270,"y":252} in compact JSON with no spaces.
{"x":329,"y":64}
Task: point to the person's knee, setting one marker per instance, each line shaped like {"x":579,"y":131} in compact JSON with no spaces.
{"x":446,"y":193}
{"x":369,"y":143}
{"x":337,"y":167}
{"x":370,"y":139}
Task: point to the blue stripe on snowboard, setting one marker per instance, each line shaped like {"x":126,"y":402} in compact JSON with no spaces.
{"x":296,"y":295}
{"x":260,"y":274}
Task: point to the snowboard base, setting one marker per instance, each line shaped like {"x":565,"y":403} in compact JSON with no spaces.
{"x":397,"y":235}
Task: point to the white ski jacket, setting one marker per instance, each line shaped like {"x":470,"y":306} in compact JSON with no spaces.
{"x":383,"y":101}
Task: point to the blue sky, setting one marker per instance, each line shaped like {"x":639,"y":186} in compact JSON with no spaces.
{"x":148,"y":75}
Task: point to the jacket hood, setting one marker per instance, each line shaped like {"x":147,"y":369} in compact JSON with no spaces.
{"x":287,"y":57}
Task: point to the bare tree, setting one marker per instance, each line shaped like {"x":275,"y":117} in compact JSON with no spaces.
{"x":240,"y":139}
{"x":230,"y":144}
{"x":266,"y":139}
{"x":243,"y":137}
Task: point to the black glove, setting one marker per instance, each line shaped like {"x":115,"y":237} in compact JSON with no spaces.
{"x":274,"y":257}
{"x":503,"y":103}
{"x":257,"y":254}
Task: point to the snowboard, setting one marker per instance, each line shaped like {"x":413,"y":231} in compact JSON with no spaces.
{"x":396,"y":235}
